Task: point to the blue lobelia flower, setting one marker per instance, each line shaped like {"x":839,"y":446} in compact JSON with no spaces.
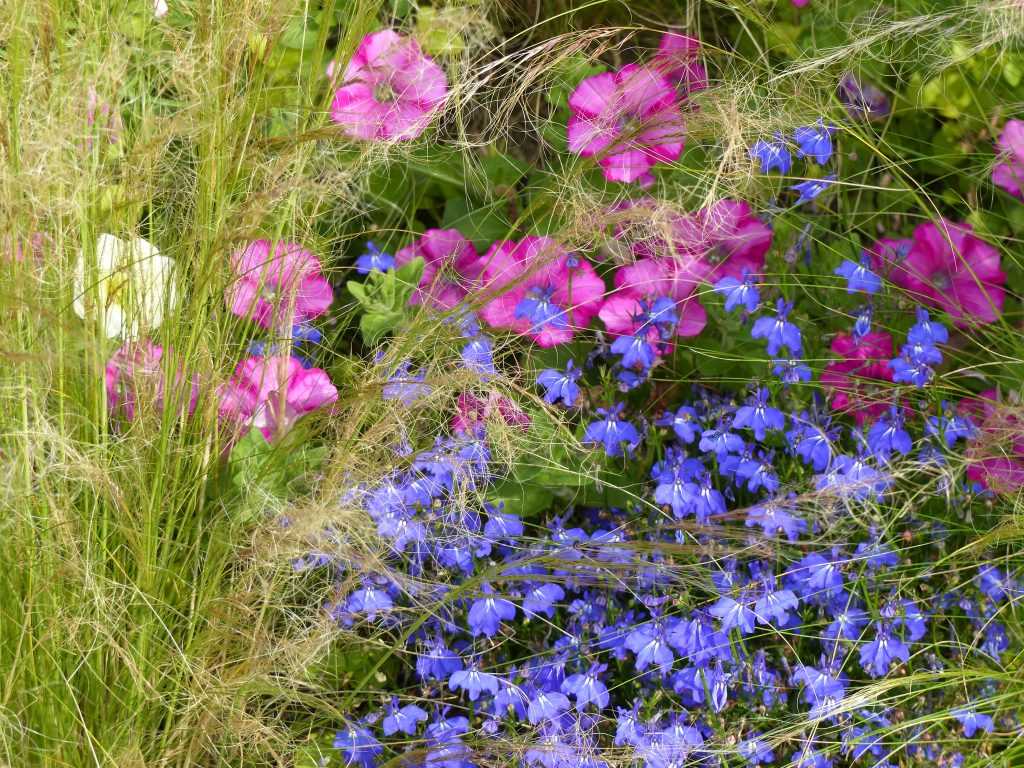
{"x":778,"y":331}
{"x":995,"y":583}
{"x":683,"y":421}
{"x":473,"y":682}
{"x":758,"y":416}
{"x":546,"y":705}
{"x":636,"y":351}
{"x":734,"y":614}
{"x":774,"y":519}
{"x":887,"y":436}
{"x":877,"y":656}
{"x":587,"y":687}
{"x":560,"y":385}
{"x":541,"y":598}
{"x":738,"y":293}
{"x":755,"y":750}
{"x":862,"y":323}
{"x":617,"y":436}
{"x":374,"y":259}
{"x":859,"y":276}
{"x":358,"y":745}
{"x":810,"y":189}
{"x":402,"y":720}
{"x":478,"y":355}
{"x":807,"y":757}
{"x":485,"y":615}
{"x":973,"y":721}
{"x":792,"y":371}
{"x":773,"y":155}
{"x":926,"y":331}
{"x":720,"y":441}
{"x":437,"y":661}
{"x":815,"y":141}
{"x":822,"y":690}
{"x":774,"y":605}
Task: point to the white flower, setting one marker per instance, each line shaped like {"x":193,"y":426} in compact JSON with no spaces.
{"x":130,"y":285}
{"x":160,"y":8}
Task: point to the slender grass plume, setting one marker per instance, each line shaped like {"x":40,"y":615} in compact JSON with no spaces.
{"x":553,"y":384}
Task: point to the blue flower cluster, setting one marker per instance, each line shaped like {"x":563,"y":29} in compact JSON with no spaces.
{"x":813,"y":142}
{"x":711,"y":607}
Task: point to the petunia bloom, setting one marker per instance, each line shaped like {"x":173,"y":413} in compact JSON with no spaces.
{"x":995,"y":455}
{"x":1009,"y":174}
{"x":630,"y":120}
{"x":390,"y":89}
{"x":135,"y":377}
{"x":128,"y":287}
{"x":947,"y":266}
{"x":538,"y":288}
{"x":857,"y":379}
{"x":273,"y":393}
{"x":451,"y":266}
{"x":278,"y":285}
{"x":678,"y":59}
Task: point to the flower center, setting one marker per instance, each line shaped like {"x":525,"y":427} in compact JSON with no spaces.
{"x":942,"y":280}
{"x":384,"y":93}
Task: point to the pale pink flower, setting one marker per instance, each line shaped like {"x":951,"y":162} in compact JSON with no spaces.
{"x":451,"y":266}
{"x":135,"y":378}
{"x":630,"y":120}
{"x":278,"y":285}
{"x":995,"y":454}
{"x":858,"y":380}
{"x":946,"y":266}
{"x":537,"y":288}
{"x":390,"y":89}
{"x":273,"y":393}
{"x":1009,"y":174}
{"x":678,"y":59}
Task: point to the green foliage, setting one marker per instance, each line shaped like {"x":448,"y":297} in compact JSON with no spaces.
{"x":384,"y":298}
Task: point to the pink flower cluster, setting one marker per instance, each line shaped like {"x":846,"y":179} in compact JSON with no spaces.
{"x":632,"y":119}
{"x":451,"y":267}
{"x":135,"y":379}
{"x":535,"y":287}
{"x":277,"y":285}
{"x":996,"y":455}
{"x":857,"y":381}
{"x":390,"y":89}
{"x":272,"y":393}
{"x":947,"y":266}
{"x":1009,"y":174}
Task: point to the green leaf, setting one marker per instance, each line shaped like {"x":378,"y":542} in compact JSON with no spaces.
{"x":482,"y":225}
{"x":300,"y":33}
{"x":438,"y":32}
{"x":375,"y":325}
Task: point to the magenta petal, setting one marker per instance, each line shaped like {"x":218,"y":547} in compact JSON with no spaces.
{"x":626,"y":166}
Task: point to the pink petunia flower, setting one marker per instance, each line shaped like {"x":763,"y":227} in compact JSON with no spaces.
{"x":272,"y":393}
{"x":278,"y":285}
{"x":723,"y":240}
{"x":630,"y":120}
{"x":678,"y":60}
{"x":472,"y":414}
{"x":537,"y":288}
{"x":995,"y":454}
{"x":451,"y":266}
{"x":639,"y":285}
{"x":390,"y":90}
{"x":948,"y":267}
{"x":858,"y":380}
{"x":135,"y":378}
{"x":1010,"y":174}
